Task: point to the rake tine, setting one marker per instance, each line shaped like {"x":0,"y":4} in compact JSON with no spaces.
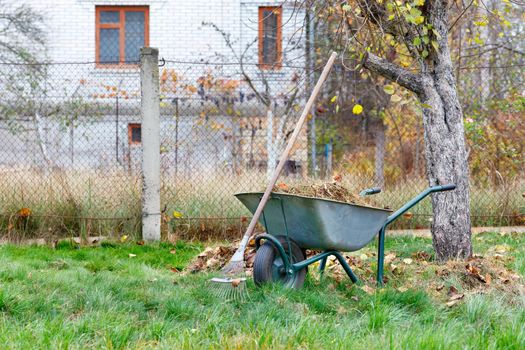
{"x":230,"y":289}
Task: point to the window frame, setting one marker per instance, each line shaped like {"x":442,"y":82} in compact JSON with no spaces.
{"x":121,"y":26}
{"x":279,"y":13}
{"x":132,"y":126}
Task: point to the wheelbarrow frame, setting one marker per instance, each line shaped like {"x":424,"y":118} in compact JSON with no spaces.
{"x":292,"y":268}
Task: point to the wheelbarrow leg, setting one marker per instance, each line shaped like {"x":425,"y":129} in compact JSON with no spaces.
{"x":346,"y":267}
{"x":380,"y":256}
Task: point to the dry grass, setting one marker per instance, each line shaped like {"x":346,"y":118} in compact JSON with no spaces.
{"x":93,"y":203}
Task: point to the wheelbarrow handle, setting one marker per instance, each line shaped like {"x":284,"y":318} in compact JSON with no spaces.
{"x":417,"y":199}
{"x":369,"y":191}
{"x":442,"y":188}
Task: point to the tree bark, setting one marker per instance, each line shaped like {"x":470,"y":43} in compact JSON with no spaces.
{"x":446,"y":160}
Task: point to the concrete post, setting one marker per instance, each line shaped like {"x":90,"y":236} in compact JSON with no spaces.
{"x":150,"y":112}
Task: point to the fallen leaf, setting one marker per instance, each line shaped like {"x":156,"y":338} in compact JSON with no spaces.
{"x":282,"y":186}
{"x":452,"y":290}
{"x":173,"y":251}
{"x":368,"y":289}
{"x":123,"y":238}
{"x":212,"y":263}
{"x":408,"y":215}
{"x":457,"y":297}
{"x":338,"y":178}
{"x":174,"y":269}
{"x":442,"y":272}
{"x":389,"y":258}
{"x":421,"y":256}
{"x":132,"y":255}
{"x":402,"y":289}
{"x":24,"y":212}
{"x":472,"y":269}
{"x":408,"y":261}
{"x":395,"y":269}
{"x":354,"y":298}
{"x":440,"y":287}
{"x":141,"y":242}
{"x":236,"y":282}
{"x":452,"y":303}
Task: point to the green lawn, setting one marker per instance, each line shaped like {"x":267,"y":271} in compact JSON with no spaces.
{"x":102,"y":297}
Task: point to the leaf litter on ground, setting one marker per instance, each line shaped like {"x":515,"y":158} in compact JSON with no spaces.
{"x":449,"y":283}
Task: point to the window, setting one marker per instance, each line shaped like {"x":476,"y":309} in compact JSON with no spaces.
{"x":270,"y":36}
{"x":134,"y":133}
{"x":120,"y":33}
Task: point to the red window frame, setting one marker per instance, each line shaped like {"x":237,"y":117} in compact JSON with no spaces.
{"x":278,"y":11}
{"x":121,"y":26}
{"x":131,"y":127}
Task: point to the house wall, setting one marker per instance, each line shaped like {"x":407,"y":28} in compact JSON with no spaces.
{"x":176,"y":27}
{"x":189,"y":145}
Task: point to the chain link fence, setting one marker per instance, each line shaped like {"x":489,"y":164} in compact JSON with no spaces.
{"x":70,"y":160}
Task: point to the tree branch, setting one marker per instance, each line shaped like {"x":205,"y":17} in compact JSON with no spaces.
{"x":393,"y":72}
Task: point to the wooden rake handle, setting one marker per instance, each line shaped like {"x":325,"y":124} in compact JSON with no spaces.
{"x":290,"y":145}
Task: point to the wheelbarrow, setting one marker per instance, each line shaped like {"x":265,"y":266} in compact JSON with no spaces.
{"x":295,"y":223}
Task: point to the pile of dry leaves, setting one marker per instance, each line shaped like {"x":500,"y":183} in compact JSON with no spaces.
{"x":452,"y":282}
{"x":214,"y":258}
{"x":328,"y":190}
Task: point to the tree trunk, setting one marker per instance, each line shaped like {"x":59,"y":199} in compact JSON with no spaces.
{"x":446,"y":156}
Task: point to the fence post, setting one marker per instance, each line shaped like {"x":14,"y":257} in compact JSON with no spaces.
{"x":150,"y":112}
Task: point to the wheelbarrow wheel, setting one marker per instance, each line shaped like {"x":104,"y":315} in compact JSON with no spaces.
{"x":268,"y":266}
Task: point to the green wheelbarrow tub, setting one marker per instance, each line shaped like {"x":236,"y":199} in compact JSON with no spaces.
{"x":315,"y":223}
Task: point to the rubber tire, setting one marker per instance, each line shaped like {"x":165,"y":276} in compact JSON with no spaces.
{"x":264,"y":263}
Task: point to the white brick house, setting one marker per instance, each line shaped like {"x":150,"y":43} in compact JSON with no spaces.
{"x":176,"y":27}
{"x":100,"y":41}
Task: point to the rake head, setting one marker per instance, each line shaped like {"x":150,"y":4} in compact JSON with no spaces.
{"x":230,"y":289}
